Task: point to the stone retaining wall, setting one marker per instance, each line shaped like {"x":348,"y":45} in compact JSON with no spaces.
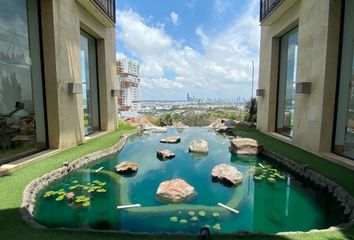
{"x":35,"y":186}
{"x":315,"y":179}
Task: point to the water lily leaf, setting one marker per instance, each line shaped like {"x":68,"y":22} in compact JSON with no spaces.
{"x":174,"y":219}
{"x":49,"y":193}
{"x":86,"y":204}
{"x":195,"y":218}
{"x":191,"y":213}
{"x":183,"y":221}
{"x":217,"y":227}
{"x":207,"y":226}
{"x":102,"y":184}
{"x":59,"y":198}
{"x":202,"y":213}
{"x":75,"y":181}
{"x":271,"y":180}
{"x":216,"y":214}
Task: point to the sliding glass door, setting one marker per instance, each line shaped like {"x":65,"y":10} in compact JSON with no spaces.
{"x":344,"y":137}
{"x":22,"y":118}
{"x":88,"y":57}
{"x":287,"y":83}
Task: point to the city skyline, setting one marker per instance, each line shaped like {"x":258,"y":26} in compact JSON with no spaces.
{"x":202,"y":47}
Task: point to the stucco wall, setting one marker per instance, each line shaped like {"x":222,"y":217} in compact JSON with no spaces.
{"x":61,"y":24}
{"x":319,"y":28}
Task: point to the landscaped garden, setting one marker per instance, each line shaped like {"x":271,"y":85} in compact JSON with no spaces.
{"x":75,"y":192}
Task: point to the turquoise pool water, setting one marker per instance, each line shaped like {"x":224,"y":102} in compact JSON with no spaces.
{"x":286,"y":205}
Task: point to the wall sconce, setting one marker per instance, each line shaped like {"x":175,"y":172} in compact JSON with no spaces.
{"x":260,"y":92}
{"x":303,"y":87}
{"x":75,"y":88}
{"x":115,"y":92}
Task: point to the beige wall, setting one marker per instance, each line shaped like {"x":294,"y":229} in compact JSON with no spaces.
{"x":61,"y":24}
{"x":319,"y":28}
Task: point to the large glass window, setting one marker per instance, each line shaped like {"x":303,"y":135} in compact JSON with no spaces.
{"x":287,"y":83}
{"x":89,"y":83}
{"x":344,"y":138}
{"x":22,"y":122}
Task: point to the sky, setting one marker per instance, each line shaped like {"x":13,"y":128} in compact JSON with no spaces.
{"x":201,"y":47}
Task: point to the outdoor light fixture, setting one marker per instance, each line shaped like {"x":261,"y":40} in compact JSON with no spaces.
{"x":303,"y":87}
{"x":260,"y":92}
{"x":115,"y":92}
{"x":75,"y":88}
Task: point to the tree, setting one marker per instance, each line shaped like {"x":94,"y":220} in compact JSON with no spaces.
{"x":251,"y":107}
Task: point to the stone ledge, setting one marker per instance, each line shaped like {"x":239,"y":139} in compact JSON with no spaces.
{"x":35,"y":186}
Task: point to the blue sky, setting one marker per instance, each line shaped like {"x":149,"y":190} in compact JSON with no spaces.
{"x":203,"y":47}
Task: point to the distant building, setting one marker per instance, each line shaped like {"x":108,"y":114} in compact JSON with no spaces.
{"x":128,"y":79}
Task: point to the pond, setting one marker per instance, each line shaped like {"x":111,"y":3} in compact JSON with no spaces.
{"x":89,"y":199}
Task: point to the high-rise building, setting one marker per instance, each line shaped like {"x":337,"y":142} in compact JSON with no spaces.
{"x":128,"y":79}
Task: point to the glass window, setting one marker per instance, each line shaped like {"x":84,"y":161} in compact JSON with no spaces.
{"x":287,"y":83}
{"x":344,"y":138}
{"x":22,"y":122}
{"x":89,"y":83}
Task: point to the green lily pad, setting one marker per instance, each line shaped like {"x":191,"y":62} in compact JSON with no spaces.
{"x":217,"y":227}
{"x":191,"y":213}
{"x":86,"y":204}
{"x":49,"y":193}
{"x":207,"y":226}
{"x":174,"y":219}
{"x":75,"y":181}
{"x":195,"y":218}
{"x":271,"y":180}
{"x":257,"y":178}
{"x":60,"y":198}
{"x":183,"y":221}
{"x":216,"y":214}
{"x":101,"y":190}
{"x":102,"y":184}
{"x":202,"y":213}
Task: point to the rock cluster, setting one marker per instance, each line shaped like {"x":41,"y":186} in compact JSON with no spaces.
{"x":165,"y":154}
{"x":174,"y":139}
{"x":127,"y":167}
{"x":198,"y":146}
{"x":159,"y":130}
{"x":245,"y":146}
{"x":175,"y":191}
{"x":227,"y":174}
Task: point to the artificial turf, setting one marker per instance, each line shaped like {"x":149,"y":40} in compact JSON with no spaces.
{"x":12,"y":226}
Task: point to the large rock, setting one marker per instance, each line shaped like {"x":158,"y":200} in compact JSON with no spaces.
{"x":245,"y":146}
{"x":227,"y":174}
{"x":174,"y":139}
{"x":127,"y":167}
{"x":165,"y":154}
{"x":198,"y":146}
{"x":159,"y":130}
{"x":175,"y":191}
{"x":180,"y":125}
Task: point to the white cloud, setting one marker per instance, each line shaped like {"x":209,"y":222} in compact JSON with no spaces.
{"x":222,"y":69}
{"x":174,"y":18}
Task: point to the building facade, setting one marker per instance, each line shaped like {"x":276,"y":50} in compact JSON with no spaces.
{"x":128,"y":78}
{"x":305,"y":94}
{"x":57,"y":73}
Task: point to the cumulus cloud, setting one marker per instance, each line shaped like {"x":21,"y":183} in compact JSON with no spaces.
{"x":222,"y":69}
{"x":174,"y":18}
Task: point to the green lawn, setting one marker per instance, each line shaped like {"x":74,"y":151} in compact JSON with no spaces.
{"x":11,"y":187}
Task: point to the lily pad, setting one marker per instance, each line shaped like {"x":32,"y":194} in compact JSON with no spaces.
{"x":207,"y":226}
{"x":202,"y":213}
{"x":60,"y":198}
{"x":216,"y":214}
{"x":75,"y":181}
{"x":174,"y":219}
{"x":49,"y":193}
{"x":183,"y":221}
{"x":271,"y":180}
{"x":257,"y":178}
{"x":217,"y":227}
{"x":86,"y":204}
{"x":191,"y":213}
{"x":195,"y":218}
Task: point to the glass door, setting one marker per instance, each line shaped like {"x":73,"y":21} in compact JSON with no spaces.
{"x":287,"y":83}
{"x":89,"y":83}
{"x":344,"y":137}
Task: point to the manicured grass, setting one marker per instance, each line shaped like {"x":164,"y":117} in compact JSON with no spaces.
{"x":11,"y":187}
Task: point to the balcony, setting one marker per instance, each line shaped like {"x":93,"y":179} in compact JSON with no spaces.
{"x":270,"y":10}
{"x":103,"y":10}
